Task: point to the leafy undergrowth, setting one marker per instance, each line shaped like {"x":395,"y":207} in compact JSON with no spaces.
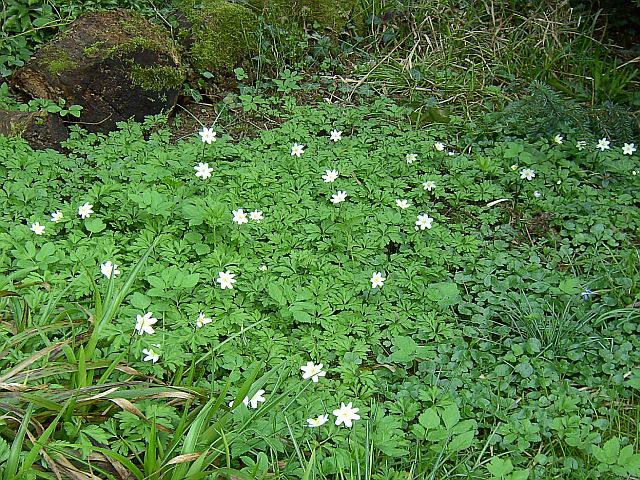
{"x":474,"y":300}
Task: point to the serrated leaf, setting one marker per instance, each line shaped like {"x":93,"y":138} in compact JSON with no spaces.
{"x":632,"y":464}
{"x":97,"y":433}
{"x":462,"y":441}
{"x":429,"y":419}
{"x":276,"y":292}
{"x":450,"y":416}
{"x":611,"y":450}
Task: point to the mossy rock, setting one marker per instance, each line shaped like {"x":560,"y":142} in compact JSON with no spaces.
{"x":116,"y":64}
{"x":328,"y":14}
{"x":41,"y":130}
{"x":222,"y":34}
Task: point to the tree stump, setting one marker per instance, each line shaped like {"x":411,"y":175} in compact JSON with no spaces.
{"x":116,"y":64}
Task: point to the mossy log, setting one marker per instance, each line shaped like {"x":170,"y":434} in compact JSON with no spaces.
{"x":40,"y":129}
{"x":116,"y":64}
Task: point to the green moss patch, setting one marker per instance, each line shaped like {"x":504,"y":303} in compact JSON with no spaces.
{"x":58,"y":61}
{"x":156,"y":78}
{"x":331,"y":14}
{"x":223,"y":34}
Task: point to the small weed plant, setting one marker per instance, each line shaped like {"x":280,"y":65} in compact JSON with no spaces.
{"x":344,"y":296}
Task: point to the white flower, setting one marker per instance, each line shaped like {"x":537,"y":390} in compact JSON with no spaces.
{"x":37,"y":228}
{"x":85,"y":210}
{"x":439,"y":146}
{"x":239,"y":216}
{"x":202,"y":320}
{"x":537,"y":194}
{"x":558,"y":182}
{"x":346,"y":414}
{"x":339,"y":197}
{"x":317,"y":422}
{"x":256,"y":216}
{"x":634,"y":173}
{"x":451,"y":153}
{"x":402,"y":203}
{"x":580,"y":144}
{"x":336,"y":135}
{"x":330,"y":176}
{"x":377,"y":280}
{"x":109,"y":269}
{"x":297,"y":150}
{"x":514,"y":167}
{"x":150,"y":354}
{"x":429,"y":185}
{"x":226,"y":280}
{"x":629,"y":148}
{"x":559,"y":139}
{"x":312,"y":371}
{"x":144,"y":322}
{"x":527,"y":174}
{"x":203,"y":170}
{"x":207,"y":135}
{"x":424,"y":221}
{"x":603,"y":144}
{"x":255,"y":400}
{"x":56,"y":216}
{"x":411,"y":157}
{"x":262,"y":268}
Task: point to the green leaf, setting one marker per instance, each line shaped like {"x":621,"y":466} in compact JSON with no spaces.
{"x":500,"y":468}
{"x":570,"y":286}
{"x":97,"y":433}
{"x":608,"y":453}
{"x":276,"y":292}
{"x":302,"y":311}
{"x":445,"y":294}
{"x":450,"y":416}
{"x":139,"y":301}
{"x":462,"y":441}
{"x":631,"y":463}
{"x":525,"y":369}
{"x":429,"y":419}
{"x":520,"y":475}
{"x":94,"y":225}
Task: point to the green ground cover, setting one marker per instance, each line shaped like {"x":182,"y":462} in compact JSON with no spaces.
{"x":502,"y":341}
{"x":410,"y":252}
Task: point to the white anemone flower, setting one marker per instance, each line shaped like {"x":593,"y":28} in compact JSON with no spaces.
{"x":37,"y":228}
{"x":207,"y":135}
{"x":346,"y":414}
{"x":144,"y":323}
{"x":226,"y":280}
{"x":312,"y":371}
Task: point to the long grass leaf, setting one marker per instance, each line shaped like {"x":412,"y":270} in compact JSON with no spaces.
{"x":11,"y":465}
